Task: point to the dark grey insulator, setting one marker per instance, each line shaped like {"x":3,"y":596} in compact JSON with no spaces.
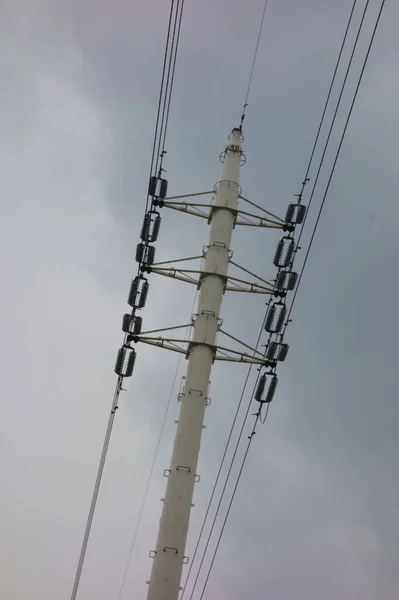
{"x":136,"y":325}
{"x":278,"y":254}
{"x":266,"y":388}
{"x":158,"y":187}
{"x":163,"y":188}
{"x":272,"y":389}
{"x":276,"y":317}
{"x":280,"y":319}
{"x":284,"y":252}
{"x":295,"y":214}
{"x":151,"y":226}
{"x":289,"y":215}
{"x":271,"y":313}
{"x":145,"y":254}
{"x":286,"y":280}
{"x":145,"y":227}
{"x":138,"y":292}
{"x":156,"y":225}
{"x":277,"y":351}
{"x":125,"y":360}
{"x":132,"y":324}
{"x":126,"y":322}
{"x":271,"y":351}
{"x":152,"y":186}
{"x":139,"y":253}
{"x":283,"y":352}
{"x":300,"y":214}
{"x":142,"y":297}
{"x":260,"y":388}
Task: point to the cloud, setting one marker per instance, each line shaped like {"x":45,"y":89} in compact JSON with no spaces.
{"x":315,"y":513}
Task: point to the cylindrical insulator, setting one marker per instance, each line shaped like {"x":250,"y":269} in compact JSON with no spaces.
{"x":158,"y":187}
{"x":125,"y":360}
{"x":145,"y":254}
{"x":120,"y":360}
{"x":156,"y":225}
{"x":260,"y":388}
{"x":163,"y":188}
{"x":150,"y":228}
{"x":140,"y":253}
{"x":300,"y":214}
{"x":270,"y":318}
{"x":280,"y":319}
{"x":283,"y":352}
{"x":152,"y":186}
{"x":289,"y":215}
{"x":138,"y":292}
{"x":142,"y":299}
{"x":271,"y":351}
{"x":145,"y":229}
{"x":130,"y":363}
{"x":275,"y":317}
{"x":272,"y":389}
{"x":295,"y":213}
{"x":292,"y":279}
{"x":126,"y":323}
{"x":290,"y":253}
{"x":278,"y":254}
{"x":284,"y":252}
{"x":286,"y":280}
{"x":137,"y":325}
{"x":134,"y":287}
{"x":277,"y":351}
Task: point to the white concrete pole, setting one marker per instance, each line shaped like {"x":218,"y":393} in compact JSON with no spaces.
{"x":171,"y":543}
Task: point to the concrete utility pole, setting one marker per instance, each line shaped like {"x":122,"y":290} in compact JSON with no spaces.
{"x":171,"y":543}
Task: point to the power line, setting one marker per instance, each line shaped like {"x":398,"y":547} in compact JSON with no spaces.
{"x":165,"y":95}
{"x":219,"y":473}
{"x":172,"y":67}
{"x":303,"y":267}
{"x":337,"y":154}
{"x":261,"y":329}
{"x":160,"y":100}
{"x":343,"y":86}
{"x":330,"y":89}
{"x":254,"y":61}
{"x":97,"y":484}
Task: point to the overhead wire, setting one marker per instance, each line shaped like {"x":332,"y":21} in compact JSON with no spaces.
{"x":258,"y":415}
{"x":165,"y":95}
{"x":219,"y":474}
{"x":255,"y":56}
{"x":337,"y":154}
{"x":171,"y":74}
{"x":343,"y":86}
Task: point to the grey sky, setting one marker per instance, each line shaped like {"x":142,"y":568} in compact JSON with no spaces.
{"x":316,"y":513}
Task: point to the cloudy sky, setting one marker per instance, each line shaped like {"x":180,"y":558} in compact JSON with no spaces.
{"x":316,"y":515}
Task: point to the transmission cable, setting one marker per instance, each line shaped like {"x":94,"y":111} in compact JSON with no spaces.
{"x":255,"y":56}
{"x":343,"y":86}
{"x":171,"y":78}
{"x":303,"y":267}
{"x":220,"y":469}
{"x":261,"y":330}
{"x":97,"y":484}
{"x":164,"y":98}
